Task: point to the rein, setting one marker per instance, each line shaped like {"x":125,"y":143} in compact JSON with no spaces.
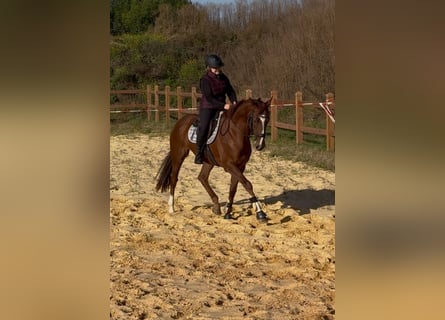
{"x":229,"y":115}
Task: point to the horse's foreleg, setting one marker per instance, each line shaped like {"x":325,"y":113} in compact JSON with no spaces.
{"x":239,"y":176}
{"x":232,"y":192}
{"x":260,"y":214}
{"x":203,"y":177}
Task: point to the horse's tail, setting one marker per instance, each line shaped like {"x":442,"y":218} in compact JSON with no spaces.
{"x":163,"y":174}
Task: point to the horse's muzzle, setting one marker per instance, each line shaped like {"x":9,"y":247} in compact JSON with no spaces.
{"x":260,"y":146}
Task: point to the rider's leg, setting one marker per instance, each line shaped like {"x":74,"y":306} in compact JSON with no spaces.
{"x":205,"y":116}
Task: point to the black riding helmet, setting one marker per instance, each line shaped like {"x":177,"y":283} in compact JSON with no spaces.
{"x":213,"y":61}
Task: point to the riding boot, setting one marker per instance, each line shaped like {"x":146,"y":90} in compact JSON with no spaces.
{"x":200,"y":147}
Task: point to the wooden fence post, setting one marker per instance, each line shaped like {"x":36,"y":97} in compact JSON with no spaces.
{"x":167,"y":104}
{"x":248,"y":93}
{"x":148,"y":92}
{"x":273,"y":116}
{"x":156,"y":92}
{"x":330,"y":126}
{"x":299,"y":117}
{"x":194,"y":98}
{"x":179,"y":101}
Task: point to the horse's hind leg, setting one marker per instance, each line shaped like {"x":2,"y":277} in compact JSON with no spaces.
{"x":203,"y":177}
{"x":177,"y":160}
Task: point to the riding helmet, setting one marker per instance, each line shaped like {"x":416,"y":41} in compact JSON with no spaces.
{"x":213,"y":61}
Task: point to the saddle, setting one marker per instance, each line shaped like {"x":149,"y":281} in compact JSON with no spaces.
{"x":213,"y":130}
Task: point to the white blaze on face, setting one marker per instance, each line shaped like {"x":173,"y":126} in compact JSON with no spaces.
{"x":263,"y":129}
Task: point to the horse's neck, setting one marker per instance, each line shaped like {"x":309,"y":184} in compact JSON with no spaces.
{"x":239,"y":118}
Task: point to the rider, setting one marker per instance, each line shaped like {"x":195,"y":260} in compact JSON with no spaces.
{"x":214,"y":86}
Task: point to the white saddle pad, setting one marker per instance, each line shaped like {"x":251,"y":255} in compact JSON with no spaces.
{"x":192,"y":133}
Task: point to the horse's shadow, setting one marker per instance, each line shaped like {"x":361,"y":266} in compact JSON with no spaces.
{"x":303,"y":200}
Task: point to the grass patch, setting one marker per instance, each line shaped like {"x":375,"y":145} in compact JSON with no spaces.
{"x":312,"y":151}
{"x":304,"y":152}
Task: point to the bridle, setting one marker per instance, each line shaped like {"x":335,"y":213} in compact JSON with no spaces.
{"x":262,"y":118}
{"x":251,"y":132}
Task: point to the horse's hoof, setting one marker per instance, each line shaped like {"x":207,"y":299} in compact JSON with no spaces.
{"x":261,"y":216}
{"x":228,"y":216}
{"x":217,"y":211}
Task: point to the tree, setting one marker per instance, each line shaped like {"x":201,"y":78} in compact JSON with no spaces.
{"x":285,"y":45}
{"x":135,"y":16}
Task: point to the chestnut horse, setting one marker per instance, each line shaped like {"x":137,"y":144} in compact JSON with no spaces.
{"x":230,"y":150}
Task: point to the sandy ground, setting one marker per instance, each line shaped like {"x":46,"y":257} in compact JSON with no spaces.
{"x":195,"y":265}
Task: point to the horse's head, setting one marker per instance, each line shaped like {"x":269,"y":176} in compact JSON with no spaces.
{"x":259,"y":118}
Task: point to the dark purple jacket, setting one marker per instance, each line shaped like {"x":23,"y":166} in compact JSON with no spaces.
{"x":214,"y":89}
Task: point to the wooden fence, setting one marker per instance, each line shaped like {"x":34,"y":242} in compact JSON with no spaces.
{"x":299,"y":126}
{"x":154,"y":102}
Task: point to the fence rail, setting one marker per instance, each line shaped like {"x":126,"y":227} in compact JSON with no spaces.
{"x":172,"y":103}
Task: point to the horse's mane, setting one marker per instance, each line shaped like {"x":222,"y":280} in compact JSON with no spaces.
{"x":234,"y":109}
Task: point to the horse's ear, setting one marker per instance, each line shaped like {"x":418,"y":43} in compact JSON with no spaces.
{"x":268,"y":102}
